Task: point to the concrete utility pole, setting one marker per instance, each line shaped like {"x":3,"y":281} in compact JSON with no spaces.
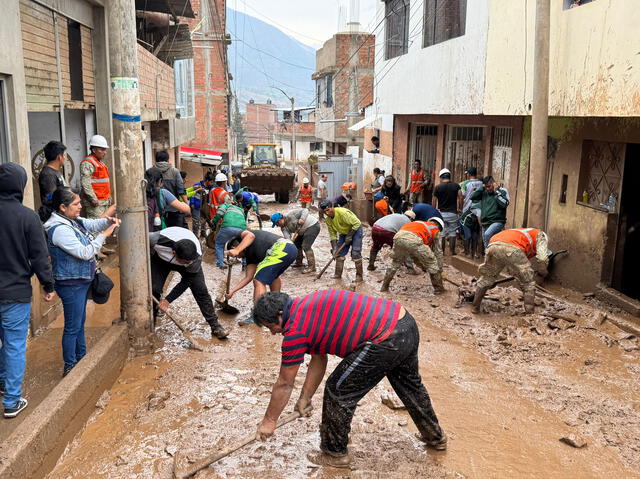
{"x":539,"y":119}
{"x":127,"y":150}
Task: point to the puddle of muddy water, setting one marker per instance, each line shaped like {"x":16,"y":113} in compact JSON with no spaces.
{"x":504,"y":404}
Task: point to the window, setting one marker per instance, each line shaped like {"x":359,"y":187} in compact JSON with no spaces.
{"x":396,"y":28}
{"x":4,"y":133}
{"x":183,"y":72}
{"x":324,"y":88}
{"x":568,"y":4}
{"x":443,"y":20}
{"x":75,"y":60}
{"x":600,"y":173}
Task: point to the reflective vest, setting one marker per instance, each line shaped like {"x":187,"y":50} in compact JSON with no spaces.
{"x":417,"y":179}
{"x":217,"y":197}
{"x":383,"y":207}
{"x":306,"y":195}
{"x":426,"y":230}
{"x":100,"y":178}
{"x":524,"y":238}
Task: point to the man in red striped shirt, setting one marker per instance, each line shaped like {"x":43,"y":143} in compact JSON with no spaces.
{"x":376,"y":337}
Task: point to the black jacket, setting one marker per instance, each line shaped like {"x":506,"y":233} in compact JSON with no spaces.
{"x":394,"y":195}
{"x":23,"y":250}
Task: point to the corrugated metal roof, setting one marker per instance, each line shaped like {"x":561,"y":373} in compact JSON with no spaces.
{"x":177,"y":45}
{"x":179,"y":8}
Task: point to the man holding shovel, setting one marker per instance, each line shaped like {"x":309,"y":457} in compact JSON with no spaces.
{"x":345,"y":232}
{"x":305,"y":229}
{"x":268,"y":256}
{"x":376,"y":337}
{"x":177,"y":249}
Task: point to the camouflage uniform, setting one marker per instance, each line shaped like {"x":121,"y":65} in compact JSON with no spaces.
{"x":87,"y":194}
{"x":407,"y":245}
{"x":503,"y":255}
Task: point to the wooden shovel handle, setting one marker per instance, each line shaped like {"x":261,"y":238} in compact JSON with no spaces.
{"x":335,"y":255}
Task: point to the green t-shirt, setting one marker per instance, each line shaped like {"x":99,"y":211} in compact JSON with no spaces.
{"x":232,"y":216}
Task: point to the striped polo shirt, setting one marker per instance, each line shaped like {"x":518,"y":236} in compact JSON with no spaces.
{"x":334,"y":322}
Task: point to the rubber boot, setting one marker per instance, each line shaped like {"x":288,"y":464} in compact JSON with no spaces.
{"x":216,"y":329}
{"x":372,"y":260}
{"x":387,"y":280}
{"x":529,"y":302}
{"x":477,"y":299}
{"x":436,"y":282}
{"x":359,"y":272}
{"x":311,"y":262}
{"x":452,"y":245}
{"x":339,"y":267}
{"x":298,"y":263}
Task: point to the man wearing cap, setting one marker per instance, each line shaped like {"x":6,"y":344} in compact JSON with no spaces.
{"x":95,"y":189}
{"x":375,"y":337}
{"x":305,"y":229}
{"x":447,"y":197}
{"x":384,"y":230}
{"x":493,"y":201}
{"x":177,"y":249}
{"x":232,"y":222}
{"x":249,"y":201}
{"x":420,"y":241}
{"x":512,"y":249}
{"x":345,"y":232}
{"x":305,"y":194}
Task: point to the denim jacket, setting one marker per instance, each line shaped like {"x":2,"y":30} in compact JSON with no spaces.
{"x":71,"y":246}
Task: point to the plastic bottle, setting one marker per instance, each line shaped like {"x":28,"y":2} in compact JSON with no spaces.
{"x":612,"y":201}
{"x":585,"y":197}
{"x":157,"y":221}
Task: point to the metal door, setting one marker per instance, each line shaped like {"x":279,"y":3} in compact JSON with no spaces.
{"x":424,"y":140}
{"x":465,"y":148}
{"x":502,"y":153}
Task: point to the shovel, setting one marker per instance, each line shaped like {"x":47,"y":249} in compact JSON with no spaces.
{"x":224,"y":305}
{"x":193,"y":342}
{"x":335,"y":255}
{"x":188,"y":470}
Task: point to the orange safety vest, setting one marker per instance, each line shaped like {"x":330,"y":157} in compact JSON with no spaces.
{"x":417,"y":179}
{"x":524,"y":238}
{"x":383,"y":207}
{"x":216,"y":198}
{"x":100,"y":179}
{"x":306,"y":194}
{"x":426,"y":230}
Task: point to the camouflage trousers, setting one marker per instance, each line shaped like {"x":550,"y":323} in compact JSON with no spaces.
{"x":95,"y":211}
{"x":501,"y":256}
{"x":409,"y":246}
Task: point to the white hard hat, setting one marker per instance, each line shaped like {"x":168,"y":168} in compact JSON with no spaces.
{"x":444,"y":171}
{"x":99,"y":141}
{"x":410,"y":214}
{"x":221,"y":177}
{"x":305,"y":180}
{"x":435,"y":219}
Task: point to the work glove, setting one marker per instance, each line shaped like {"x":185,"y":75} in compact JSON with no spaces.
{"x":334,"y":246}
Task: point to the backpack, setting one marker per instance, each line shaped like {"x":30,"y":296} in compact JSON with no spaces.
{"x":156,"y":205}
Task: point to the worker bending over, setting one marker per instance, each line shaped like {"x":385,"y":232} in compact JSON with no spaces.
{"x":420,"y":241}
{"x":177,"y":249}
{"x":305,"y":229}
{"x":512,"y":249}
{"x":267,"y":255}
{"x":345,"y":232}
{"x":376,"y":338}
{"x":384,"y":230}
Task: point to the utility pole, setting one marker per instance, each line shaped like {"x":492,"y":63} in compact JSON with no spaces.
{"x":294,"y":147}
{"x":540,"y":119}
{"x":135,"y":301}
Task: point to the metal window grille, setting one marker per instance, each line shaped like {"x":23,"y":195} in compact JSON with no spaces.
{"x":601,"y":171}
{"x":465,"y":148}
{"x":467,"y":133}
{"x":396,"y":28}
{"x":443,"y":20}
{"x":502,"y":152}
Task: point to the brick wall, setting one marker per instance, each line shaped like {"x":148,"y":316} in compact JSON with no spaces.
{"x":210,"y":67}
{"x":150,"y":68}
{"x":259,"y":122}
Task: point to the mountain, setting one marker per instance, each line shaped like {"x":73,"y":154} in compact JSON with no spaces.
{"x":262,"y":56}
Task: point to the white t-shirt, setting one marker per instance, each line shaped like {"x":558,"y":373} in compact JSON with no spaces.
{"x":322,"y":190}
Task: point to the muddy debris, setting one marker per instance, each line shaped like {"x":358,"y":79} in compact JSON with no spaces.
{"x":103,"y":400}
{"x":573,"y":441}
{"x":391,"y":401}
{"x":157,"y":400}
{"x":171,"y":450}
{"x":120,"y":461}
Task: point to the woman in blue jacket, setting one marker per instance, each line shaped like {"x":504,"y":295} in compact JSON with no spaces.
{"x":73,"y":244}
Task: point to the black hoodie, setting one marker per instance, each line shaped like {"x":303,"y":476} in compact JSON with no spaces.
{"x":23,"y":249}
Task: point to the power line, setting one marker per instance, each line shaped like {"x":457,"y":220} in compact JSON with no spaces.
{"x":273,"y":56}
{"x":271,"y":78}
{"x":281,"y":25}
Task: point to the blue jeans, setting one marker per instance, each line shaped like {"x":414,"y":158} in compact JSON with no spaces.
{"x":195,"y":221}
{"x":355,"y":246}
{"x":489,"y":231}
{"x":224,"y":236}
{"x":74,"y":303}
{"x":14,"y":328}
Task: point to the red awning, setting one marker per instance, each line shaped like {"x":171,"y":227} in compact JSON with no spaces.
{"x":200,"y":152}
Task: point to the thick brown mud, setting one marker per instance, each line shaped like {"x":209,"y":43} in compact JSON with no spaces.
{"x":506,"y":388}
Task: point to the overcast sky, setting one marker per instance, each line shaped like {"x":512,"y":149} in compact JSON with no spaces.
{"x":309,"y":21}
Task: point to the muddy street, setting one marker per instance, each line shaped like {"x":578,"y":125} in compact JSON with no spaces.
{"x":507,"y":387}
